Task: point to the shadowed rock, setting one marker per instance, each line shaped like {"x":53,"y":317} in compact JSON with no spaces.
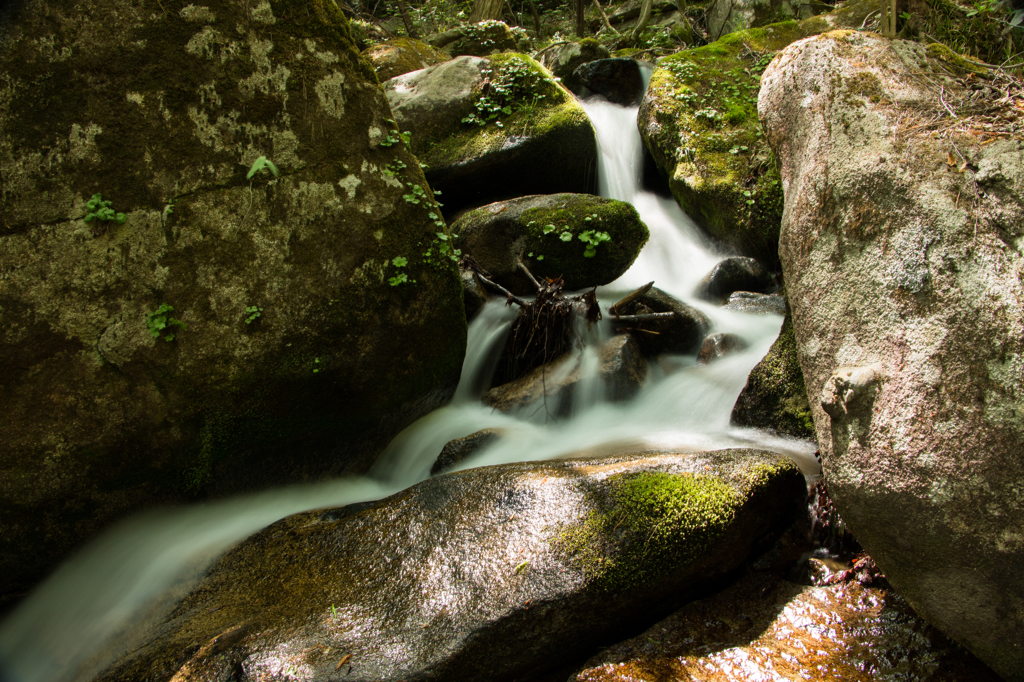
{"x":617,"y":79}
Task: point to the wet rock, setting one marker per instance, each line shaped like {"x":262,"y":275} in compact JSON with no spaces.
{"x":734,"y":274}
{"x":719,"y":346}
{"x":758,"y":304}
{"x":474,"y":295}
{"x":761,"y":628}
{"x":544,"y":144}
{"x":487,"y":574}
{"x":458,"y":450}
{"x":775,"y":396}
{"x":726,"y":181}
{"x":896,"y":276}
{"x":166,"y":113}
{"x":553,"y":386}
{"x":547,"y":233}
{"x":562,"y":60}
{"x":402,"y":55}
{"x":683,"y":333}
{"x":619,"y":80}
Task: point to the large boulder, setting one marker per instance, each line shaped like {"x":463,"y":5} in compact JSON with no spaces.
{"x":287,"y":354}
{"x":496,"y":128}
{"x":619,"y":80}
{"x":902,"y":258}
{"x":486,"y":574}
{"x":402,"y":55}
{"x":729,"y":16}
{"x":699,"y":121}
{"x":553,"y":235}
{"x":563,"y":58}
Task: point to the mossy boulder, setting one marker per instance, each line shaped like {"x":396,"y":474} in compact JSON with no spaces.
{"x":495,"y":573}
{"x":507,"y":130}
{"x":486,"y":38}
{"x":166,"y":113}
{"x":553,"y":235}
{"x":775,"y":396}
{"x":402,"y":55}
{"x":562,"y":60}
{"x":699,"y":121}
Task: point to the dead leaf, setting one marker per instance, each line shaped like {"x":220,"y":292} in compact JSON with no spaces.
{"x":344,"y":659}
{"x":950,"y":160}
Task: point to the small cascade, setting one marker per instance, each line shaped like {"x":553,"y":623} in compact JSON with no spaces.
{"x":84,"y":615}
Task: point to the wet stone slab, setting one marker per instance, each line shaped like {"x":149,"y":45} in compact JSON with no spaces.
{"x":762,"y":630}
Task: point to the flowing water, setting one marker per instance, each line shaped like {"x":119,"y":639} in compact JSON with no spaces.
{"x":72,"y":625}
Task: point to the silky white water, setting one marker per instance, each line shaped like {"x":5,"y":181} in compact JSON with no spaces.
{"x":86,"y":612}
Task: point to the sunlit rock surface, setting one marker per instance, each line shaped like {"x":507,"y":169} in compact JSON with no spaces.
{"x":901,"y":248}
{"x":486,"y":574}
{"x":402,"y":55}
{"x":763,"y":630}
{"x":164,"y":110}
{"x":544,"y":143}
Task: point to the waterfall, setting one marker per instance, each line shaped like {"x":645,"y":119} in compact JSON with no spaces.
{"x":87,"y":612}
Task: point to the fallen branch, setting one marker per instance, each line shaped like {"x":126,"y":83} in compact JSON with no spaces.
{"x":614,"y":310}
{"x":647,"y":317}
{"x":494,"y":286}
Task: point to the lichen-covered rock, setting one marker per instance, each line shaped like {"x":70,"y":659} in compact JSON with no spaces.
{"x":288,"y":343}
{"x":699,"y":121}
{"x":486,"y":574}
{"x":621,"y":371}
{"x":402,"y":55}
{"x":734,"y":274}
{"x":765,"y":629}
{"x":618,"y":80}
{"x":562,"y":60}
{"x":553,"y":235}
{"x":775,"y":396}
{"x":497,"y":128}
{"x":902,"y":260}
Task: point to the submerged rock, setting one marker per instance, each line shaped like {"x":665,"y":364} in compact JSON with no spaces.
{"x":734,"y":274}
{"x":619,"y":80}
{"x":553,"y":235}
{"x":699,"y":122}
{"x":765,"y":629}
{"x":402,"y":55}
{"x":775,"y":396}
{"x":902,"y":264}
{"x":461,"y":449}
{"x":621,"y":371}
{"x":719,"y":346}
{"x":481,"y":147}
{"x":488,"y":574}
{"x":233,"y":327}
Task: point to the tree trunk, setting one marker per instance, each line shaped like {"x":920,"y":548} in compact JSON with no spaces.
{"x":484,"y":10}
{"x":645,"y":16}
{"x":536,"y":17}
{"x":410,"y":28}
{"x":581,"y":26}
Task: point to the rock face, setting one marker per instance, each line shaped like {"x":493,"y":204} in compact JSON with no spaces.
{"x":762,"y":629}
{"x":621,"y":372}
{"x":562,"y":60}
{"x":552,"y":235}
{"x":164,"y":113}
{"x":617,"y":79}
{"x":699,"y":121}
{"x":475,"y":150}
{"x":487,"y":574}
{"x":904,"y":273}
{"x":402,"y":55}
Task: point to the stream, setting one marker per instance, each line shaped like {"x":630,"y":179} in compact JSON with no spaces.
{"x":86,"y":613}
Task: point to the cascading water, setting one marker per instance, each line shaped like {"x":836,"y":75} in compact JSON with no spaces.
{"x":89,"y":610}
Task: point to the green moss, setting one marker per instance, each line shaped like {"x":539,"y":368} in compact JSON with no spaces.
{"x":654,"y":524}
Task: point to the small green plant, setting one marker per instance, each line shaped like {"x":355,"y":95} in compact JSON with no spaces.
{"x":252,"y":313}
{"x":516,"y":86}
{"x":442,"y":247}
{"x":160,"y":323}
{"x":261,"y":164}
{"x":395,"y":136}
{"x":592,"y":239}
{"x":416,"y":193}
{"x":401,"y":277}
{"x":316,"y":369}
{"x":394,"y":168}
{"x":98,"y":209}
